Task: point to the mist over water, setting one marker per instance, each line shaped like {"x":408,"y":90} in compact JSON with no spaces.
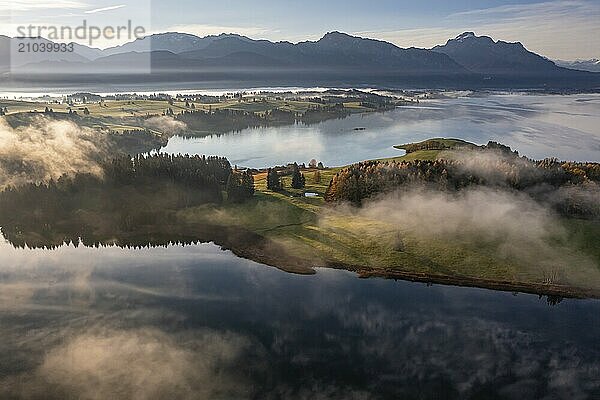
{"x":538,"y":126}
{"x":46,"y":149}
{"x":199,"y":322}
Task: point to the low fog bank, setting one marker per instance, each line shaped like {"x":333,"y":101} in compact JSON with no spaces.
{"x":549,"y":181}
{"x":47,"y":149}
{"x":513,"y":226}
{"x":534,"y":220}
{"x":167,"y":125}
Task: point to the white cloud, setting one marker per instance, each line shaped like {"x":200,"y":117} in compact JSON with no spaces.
{"x":13,"y":8}
{"x":97,"y":10}
{"x":566,"y":29}
{"x":566,"y":7}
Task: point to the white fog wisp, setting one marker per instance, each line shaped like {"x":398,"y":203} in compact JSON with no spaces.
{"x":46,"y":149}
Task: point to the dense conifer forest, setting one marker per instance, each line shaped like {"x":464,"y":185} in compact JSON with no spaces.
{"x":132,"y":192}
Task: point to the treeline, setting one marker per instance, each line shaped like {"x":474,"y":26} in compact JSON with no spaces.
{"x":316,"y":115}
{"x":143,"y":191}
{"x":207,"y":177}
{"x":210,"y":173}
{"x":436,"y":144}
{"x":226,"y":120}
{"x":135,"y":141}
{"x":220,"y":120}
{"x":503,"y":169}
{"x":131,"y":132}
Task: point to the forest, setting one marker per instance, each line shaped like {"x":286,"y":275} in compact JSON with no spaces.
{"x":132,"y":193}
{"x":569,"y":187}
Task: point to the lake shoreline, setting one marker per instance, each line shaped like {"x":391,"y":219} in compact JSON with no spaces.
{"x":274,"y":260}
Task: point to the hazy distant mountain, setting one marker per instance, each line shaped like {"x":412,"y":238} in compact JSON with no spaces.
{"x":333,"y":50}
{"x":483,"y":55}
{"x":11,"y":56}
{"x":592,"y":65}
{"x":335,"y":53}
{"x":360,"y":51}
{"x":227,"y":45}
{"x":173,"y":42}
{"x":335,"y":59}
{"x":90,"y":53}
{"x":4,"y":53}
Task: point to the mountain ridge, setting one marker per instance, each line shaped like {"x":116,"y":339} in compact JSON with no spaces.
{"x":481,"y":54}
{"x":336,"y":58}
{"x":591,"y":65}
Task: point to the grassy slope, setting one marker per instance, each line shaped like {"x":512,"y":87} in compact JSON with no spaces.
{"x":325,"y":236}
{"x":445,"y":150}
{"x":121,"y":114}
{"x":444,"y":142}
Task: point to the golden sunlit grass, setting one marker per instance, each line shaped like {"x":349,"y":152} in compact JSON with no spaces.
{"x":324,"y":235}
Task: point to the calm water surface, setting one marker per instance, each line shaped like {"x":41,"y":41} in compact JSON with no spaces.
{"x":197,"y":322}
{"x":539,"y":126}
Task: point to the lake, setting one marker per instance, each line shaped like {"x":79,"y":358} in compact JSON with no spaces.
{"x":538,"y":126}
{"x":198,"y":322}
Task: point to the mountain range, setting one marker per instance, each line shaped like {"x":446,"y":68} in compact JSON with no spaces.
{"x":592,"y":65}
{"x":335,"y":57}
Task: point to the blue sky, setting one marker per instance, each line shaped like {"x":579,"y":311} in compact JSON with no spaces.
{"x":565,"y":29}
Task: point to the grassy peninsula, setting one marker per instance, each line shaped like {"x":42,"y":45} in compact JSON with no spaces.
{"x":326,"y":223}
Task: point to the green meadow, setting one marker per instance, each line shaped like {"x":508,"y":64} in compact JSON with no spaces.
{"x":129,"y":114}
{"x":342,"y":237}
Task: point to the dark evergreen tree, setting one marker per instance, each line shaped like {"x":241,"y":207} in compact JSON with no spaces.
{"x":273,"y":180}
{"x":240,"y":187}
{"x":298,"y":180}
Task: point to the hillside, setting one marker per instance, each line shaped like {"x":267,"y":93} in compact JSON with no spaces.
{"x":481,"y":54}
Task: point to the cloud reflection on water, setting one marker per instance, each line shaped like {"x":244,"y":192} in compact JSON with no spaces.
{"x":195,"y":322}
